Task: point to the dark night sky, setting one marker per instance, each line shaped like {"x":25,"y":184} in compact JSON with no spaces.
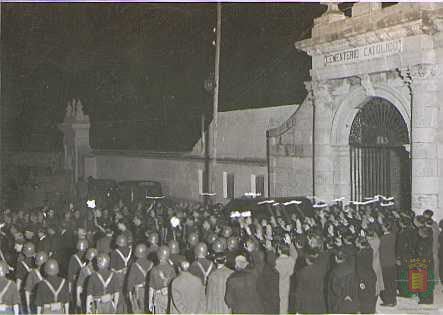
{"x":139,"y":69}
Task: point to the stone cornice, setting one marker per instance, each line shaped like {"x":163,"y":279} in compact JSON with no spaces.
{"x":391,"y":23}
{"x":319,"y":46}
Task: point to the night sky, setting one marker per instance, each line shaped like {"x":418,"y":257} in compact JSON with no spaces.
{"x":139,"y":69}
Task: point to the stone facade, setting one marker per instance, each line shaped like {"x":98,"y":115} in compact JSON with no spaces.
{"x":394,"y":53}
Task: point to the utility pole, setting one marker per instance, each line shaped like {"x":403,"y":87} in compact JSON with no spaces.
{"x":212,"y":169}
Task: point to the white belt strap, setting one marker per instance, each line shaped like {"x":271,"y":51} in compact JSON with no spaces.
{"x":81,"y":264}
{"x":38,"y":274}
{"x":144,"y":272}
{"x":205,"y":272}
{"x":125,"y":259}
{"x":2,"y":293}
{"x":105,"y":283}
{"x":56,"y":293}
{"x":28,"y":269}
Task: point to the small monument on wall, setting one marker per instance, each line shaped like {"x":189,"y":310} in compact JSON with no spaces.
{"x":75,"y":128}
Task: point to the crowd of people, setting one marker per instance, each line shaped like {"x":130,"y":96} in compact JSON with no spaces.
{"x":188,"y":258}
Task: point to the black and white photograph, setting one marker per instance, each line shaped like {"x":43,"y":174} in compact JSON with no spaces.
{"x":221,"y":157}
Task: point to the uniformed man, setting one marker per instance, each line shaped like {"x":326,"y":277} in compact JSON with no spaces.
{"x":137,"y":276}
{"x":75,"y":264}
{"x":176,"y":258}
{"x":33,"y":279}
{"x":102,"y":290}
{"x":192,"y":242}
{"x":9,"y":296}
{"x":120,"y":258}
{"x":52,"y":294}
{"x":160,"y":277}
{"x":83,"y":275}
{"x":233,"y":251}
{"x":25,"y":266}
{"x":202,"y":266}
{"x":153,"y":246}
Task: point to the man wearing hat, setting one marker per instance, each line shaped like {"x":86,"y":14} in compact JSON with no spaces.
{"x":241,"y":289}
{"x":342,"y":287}
{"x":216,"y":288}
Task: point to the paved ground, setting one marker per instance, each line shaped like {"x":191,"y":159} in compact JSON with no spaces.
{"x":411,"y":306}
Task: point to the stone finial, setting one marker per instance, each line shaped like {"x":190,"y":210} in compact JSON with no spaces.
{"x":332,"y":14}
{"x":79,"y":115}
{"x":68,"y":113}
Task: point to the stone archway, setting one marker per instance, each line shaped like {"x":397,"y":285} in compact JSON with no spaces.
{"x":379,"y":161}
{"x":358,"y":96}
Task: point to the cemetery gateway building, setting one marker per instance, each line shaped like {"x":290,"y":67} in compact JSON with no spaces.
{"x":372,"y":122}
{"x":374,"y":111}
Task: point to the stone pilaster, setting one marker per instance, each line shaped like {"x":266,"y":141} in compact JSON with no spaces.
{"x":323,"y":102}
{"x":423,"y":84}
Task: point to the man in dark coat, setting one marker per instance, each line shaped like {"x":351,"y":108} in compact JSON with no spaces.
{"x":404,"y":248}
{"x":424,"y":252}
{"x":342,"y":287}
{"x":387,"y":260}
{"x":241,"y":290}
{"x":310,"y":285}
{"x":268,"y":285}
{"x":366,"y":277}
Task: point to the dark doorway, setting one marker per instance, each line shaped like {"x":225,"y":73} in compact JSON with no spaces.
{"x":380,"y":163}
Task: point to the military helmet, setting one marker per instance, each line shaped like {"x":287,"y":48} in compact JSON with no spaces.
{"x":103,"y":261}
{"x":219,"y":246}
{"x":3,"y":268}
{"x":121,"y":240}
{"x":51,"y":267}
{"x":227,"y":232}
{"x":163,"y":253}
{"x":233,"y":243}
{"x":91,"y":253}
{"x":174,"y":247}
{"x":28,"y":249}
{"x":141,"y":251}
{"x":153,"y":238}
{"x":212,"y":238}
{"x":193,"y":239}
{"x":201,"y":250}
{"x":41,"y":258}
{"x":82,"y":245}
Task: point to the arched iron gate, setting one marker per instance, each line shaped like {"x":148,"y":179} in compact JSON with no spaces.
{"x":380,"y":163}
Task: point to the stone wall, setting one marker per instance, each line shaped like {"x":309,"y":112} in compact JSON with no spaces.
{"x":178,"y":174}
{"x":241,"y":151}
{"x":291,"y":154}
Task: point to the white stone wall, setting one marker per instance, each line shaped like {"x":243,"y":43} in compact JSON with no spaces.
{"x":179,"y":175}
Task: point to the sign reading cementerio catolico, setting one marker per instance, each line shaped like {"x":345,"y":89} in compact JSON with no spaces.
{"x":365,"y":52}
